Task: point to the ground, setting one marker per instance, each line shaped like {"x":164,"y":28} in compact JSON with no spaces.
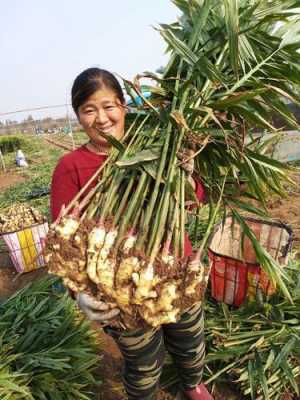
{"x":286,"y":209}
{"x":8,"y":179}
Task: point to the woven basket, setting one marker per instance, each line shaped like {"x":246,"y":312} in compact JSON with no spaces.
{"x":235,"y":271}
{"x":25,"y":246}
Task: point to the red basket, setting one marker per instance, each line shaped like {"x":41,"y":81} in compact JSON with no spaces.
{"x":235,"y":271}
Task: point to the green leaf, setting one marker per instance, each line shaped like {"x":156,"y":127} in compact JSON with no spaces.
{"x":138,"y":158}
{"x":270,"y":360}
{"x":285,"y":352}
{"x":292,"y":34}
{"x":232,"y":26}
{"x":179,"y":46}
{"x":252,"y":381}
{"x":261,"y":375}
{"x":244,"y":79}
{"x":238,"y":98}
{"x":151,"y":168}
{"x":248,"y":207}
{"x":202,"y":63}
{"x":49,"y":366}
{"x":113,"y":141}
{"x":268,"y":162}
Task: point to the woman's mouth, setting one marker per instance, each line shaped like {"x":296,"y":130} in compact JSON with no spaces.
{"x":107,"y":130}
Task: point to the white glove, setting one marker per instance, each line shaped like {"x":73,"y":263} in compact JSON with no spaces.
{"x":95,"y":310}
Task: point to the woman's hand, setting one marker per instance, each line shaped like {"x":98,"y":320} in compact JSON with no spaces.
{"x":187,"y":160}
{"x":187,"y":163}
{"x":95,"y":310}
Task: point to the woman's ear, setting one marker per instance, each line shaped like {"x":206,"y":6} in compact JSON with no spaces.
{"x":125,"y":106}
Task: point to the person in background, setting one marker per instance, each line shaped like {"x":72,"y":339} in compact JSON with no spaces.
{"x":98,"y":100}
{"x":20,"y":159}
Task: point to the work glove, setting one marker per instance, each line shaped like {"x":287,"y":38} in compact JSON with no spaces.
{"x":95,"y":310}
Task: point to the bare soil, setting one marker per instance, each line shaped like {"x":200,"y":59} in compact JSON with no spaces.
{"x":287,"y":210}
{"x":9,"y":178}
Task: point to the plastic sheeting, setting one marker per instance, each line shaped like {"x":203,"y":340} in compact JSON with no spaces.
{"x":288,"y":148}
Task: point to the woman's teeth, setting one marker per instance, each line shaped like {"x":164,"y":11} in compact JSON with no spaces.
{"x":106,"y":130}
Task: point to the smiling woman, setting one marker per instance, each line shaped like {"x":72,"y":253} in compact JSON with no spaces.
{"x":98,"y":101}
{"x":100,"y":107}
{"x":104,"y":113}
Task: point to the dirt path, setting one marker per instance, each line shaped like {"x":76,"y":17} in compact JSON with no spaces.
{"x":9,"y":178}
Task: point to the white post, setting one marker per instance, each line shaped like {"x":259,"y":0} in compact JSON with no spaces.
{"x":2,"y":161}
{"x":70,"y":127}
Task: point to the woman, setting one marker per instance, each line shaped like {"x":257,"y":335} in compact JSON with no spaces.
{"x":98,"y":100}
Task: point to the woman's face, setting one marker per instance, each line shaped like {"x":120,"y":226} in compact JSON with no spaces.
{"x":103,"y":112}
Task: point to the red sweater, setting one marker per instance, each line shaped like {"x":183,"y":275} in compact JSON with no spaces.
{"x":74,"y":170}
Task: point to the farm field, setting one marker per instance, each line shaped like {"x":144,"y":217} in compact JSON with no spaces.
{"x":31,"y":184}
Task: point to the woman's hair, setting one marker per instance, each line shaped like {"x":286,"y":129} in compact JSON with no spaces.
{"x":91,"y":80}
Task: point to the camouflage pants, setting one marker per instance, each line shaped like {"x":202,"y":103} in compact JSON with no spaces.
{"x":144,"y":351}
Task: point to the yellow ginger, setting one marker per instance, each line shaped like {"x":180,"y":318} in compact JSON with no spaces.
{"x":124,"y":282}
{"x":108,"y":243}
{"x":105,"y":265}
{"x":129,"y":243}
{"x":96,"y":240}
{"x":194,"y":267}
{"x":106,"y":274}
{"x":162,"y":309}
{"x":67,"y":227}
{"x":76,"y":287}
{"x":168,"y":259}
{"x":163,"y":318}
{"x":140,"y":289}
{"x":145,"y":280}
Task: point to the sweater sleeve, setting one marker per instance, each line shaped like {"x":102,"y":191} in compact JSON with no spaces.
{"x":64,"y":187}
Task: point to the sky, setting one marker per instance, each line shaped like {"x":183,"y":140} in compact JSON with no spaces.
{"x":45,"y":44}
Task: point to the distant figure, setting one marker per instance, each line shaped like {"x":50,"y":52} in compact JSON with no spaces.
{"x":20,"y":159}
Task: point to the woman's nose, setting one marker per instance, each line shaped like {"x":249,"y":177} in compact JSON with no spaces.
{"x":101,"y":117}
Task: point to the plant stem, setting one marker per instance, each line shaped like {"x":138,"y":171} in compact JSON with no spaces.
{"x":182,"y":212}
{"x":133,"y":206}
{"x":125,"y":197}
{"x":161,"y":168}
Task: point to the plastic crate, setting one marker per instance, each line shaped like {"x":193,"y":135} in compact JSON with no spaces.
{"x":235,"y":271}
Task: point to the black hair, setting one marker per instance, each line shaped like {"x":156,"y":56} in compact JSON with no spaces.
{"x":91,"y":80}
